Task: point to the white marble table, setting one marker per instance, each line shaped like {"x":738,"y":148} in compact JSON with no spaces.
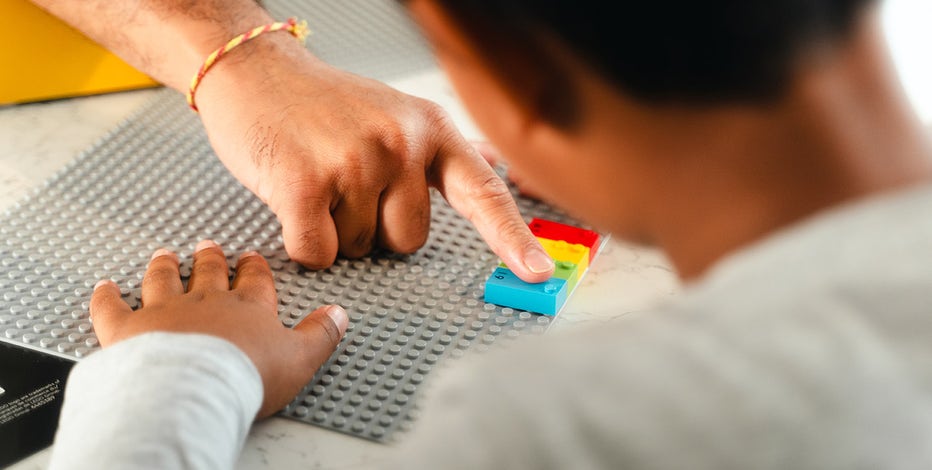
{"x":36,"y":140}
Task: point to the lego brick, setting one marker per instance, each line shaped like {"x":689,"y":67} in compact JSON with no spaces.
{"x":553,"y":230}
{"x":565,"y":270}
{"x":503,"y":288}
{"x":569,"y":272}
{"x":562,"y":251}
{"x":571,"y":261}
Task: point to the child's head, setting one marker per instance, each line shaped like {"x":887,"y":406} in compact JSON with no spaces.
{"x":656,"y":52}
{"x":555,"y":85}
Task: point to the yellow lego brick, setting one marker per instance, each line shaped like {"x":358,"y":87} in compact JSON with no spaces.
{"x":563,"y":251}
{"x":43,"y":58}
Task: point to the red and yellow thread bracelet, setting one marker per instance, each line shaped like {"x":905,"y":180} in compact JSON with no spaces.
{"x":297,"y":29}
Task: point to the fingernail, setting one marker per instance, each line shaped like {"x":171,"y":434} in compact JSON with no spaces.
{"x":162,"y":252}
{"x":338,"y":315}
{"x":100,"y":283}
{"x":537,"y":261}
{"x":205,"y":244}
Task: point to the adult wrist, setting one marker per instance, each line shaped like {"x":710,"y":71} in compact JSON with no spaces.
{"x":191,"y":37}
{"x":251,"y":66}
{"x":296,"y":28}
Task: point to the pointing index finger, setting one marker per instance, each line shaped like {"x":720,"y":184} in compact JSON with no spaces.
{"x":473,"y":188}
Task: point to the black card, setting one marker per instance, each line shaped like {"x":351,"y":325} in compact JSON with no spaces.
{"x":33,"y":386}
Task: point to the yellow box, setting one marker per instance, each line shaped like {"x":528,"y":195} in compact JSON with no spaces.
{"x":563,"y":251}
{"x":43,"y":58}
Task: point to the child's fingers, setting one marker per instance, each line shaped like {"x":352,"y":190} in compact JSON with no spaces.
{"x":315,"y":339}
{"x":254,"y":279}
{"x":107,"y":310}
{"x":321,"y":331}
{"x":162,"y":279}
{"x":210,"y":271}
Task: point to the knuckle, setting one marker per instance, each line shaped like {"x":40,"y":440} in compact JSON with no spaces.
{"x":394,"y":141}
{"x":489,"y":190}
{"x":253,"y":265}
{"x":516,"y":231}
{"x":353,"y":160}
{"x":160,"y":275}
{"x":210,"y":258}
{"x":296,"y":193}
{"x":362,"y":171}
{"x":254,"y":274}
{"x":263,"y":297}
{"x":434,"y":113}
{"x":408,"y":140}
{"x":196,"y":296}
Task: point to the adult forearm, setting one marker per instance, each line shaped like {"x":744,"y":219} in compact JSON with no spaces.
{"x":166,"y":39}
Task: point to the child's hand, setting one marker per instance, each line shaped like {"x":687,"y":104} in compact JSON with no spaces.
{"x":244,"y":315}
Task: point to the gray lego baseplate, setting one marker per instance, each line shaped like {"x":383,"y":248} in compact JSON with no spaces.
{"x":154,"y":181}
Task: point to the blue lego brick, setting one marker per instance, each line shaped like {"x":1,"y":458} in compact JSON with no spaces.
{"x":565,"y":270}
{"x":505,"y":289}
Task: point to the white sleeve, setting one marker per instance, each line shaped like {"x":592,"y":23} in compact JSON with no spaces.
{"x":159,"y":400}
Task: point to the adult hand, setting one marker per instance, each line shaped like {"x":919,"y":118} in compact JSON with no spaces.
{"x":345,"y":162}
{"x":244,"y":314}
{"x":495,"y":158}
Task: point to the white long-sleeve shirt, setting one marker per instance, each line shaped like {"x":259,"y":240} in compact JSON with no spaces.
{"x":809,"y":349}
{"x":158,"y":401}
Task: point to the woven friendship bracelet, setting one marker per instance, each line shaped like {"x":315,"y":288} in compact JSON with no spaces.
{"x":297,"y":29}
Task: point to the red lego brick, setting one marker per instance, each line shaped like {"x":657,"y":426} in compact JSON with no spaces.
{"x":556,"y":231}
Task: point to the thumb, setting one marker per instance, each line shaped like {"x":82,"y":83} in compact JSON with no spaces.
{"x":317,"y":337}
{"x":321,"y":332}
